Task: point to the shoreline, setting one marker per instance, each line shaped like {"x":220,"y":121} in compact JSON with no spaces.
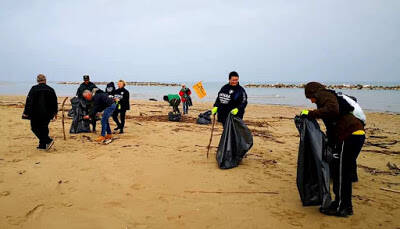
{"x":19,"y":103}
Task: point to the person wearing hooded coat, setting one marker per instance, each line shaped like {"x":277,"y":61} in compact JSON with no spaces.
{"x":347,"y":134}
{"x":110,"y":88}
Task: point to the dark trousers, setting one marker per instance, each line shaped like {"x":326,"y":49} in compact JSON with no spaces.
{"x":93,"y":120}
{"x":41,"y":129}
{"x":344,"y":167}
{"x":122,"y":114}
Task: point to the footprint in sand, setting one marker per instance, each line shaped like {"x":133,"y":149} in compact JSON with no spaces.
{"x":136,"y":186}
{"x":5,"y":193}
{"x":292,"y":217}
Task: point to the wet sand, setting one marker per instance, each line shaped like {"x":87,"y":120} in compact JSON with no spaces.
{"x":156,"y":175}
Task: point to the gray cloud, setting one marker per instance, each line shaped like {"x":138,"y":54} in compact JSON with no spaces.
{"x":183,"y":40}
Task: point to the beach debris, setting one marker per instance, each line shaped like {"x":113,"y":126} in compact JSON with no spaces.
{"x":212,"y":131}
{"x":232,"y":192}
{"x":108,"y":141}
{"x":20,"y":172}
{"x":5,"y":193}
{"x":67,"y":204}
{"x":88,"y":138}
{"x":37,"y":162}
{"x":12,"y":104}
{"x":33,"y":210}
{"x":153,"y":99}
{"x":390,"y":190}
{"x":384,"y":145}
{"x":265,"y":134}
{"x":387,"y":152}
{"x":393,"y":166}
{"x":375,"y":171}
{"x":63,"y":117}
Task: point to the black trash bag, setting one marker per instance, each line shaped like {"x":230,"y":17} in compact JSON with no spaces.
{"x":235,"y":141}
{"x":79,"y":109}
{"x":312,"y":166}
{"x":174,"y":117}
{"x":204,"y":118}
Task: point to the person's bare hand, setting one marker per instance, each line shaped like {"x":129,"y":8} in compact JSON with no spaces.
{"x":86,"y":117}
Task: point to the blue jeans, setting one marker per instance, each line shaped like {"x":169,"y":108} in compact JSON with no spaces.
{"x":185,"y":107}
{"x":105,"y":125}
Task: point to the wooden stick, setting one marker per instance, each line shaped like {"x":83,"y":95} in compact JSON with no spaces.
{"x":63,"y":125}
{"x":390,"y":190}
{"x":232,"y":192}
{"x":212,"y":131}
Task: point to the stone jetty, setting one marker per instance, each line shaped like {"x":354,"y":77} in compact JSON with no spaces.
{"x":155,"y":84}
{"x":331,"y":86}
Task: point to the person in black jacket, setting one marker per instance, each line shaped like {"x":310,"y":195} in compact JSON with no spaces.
{"x":231,"y":98}
{"x":101,"y":102}
{"x":41,"y":107}
{"x":110,"y":88}
{"x":122,"y":105}
{"x":87,"y":85}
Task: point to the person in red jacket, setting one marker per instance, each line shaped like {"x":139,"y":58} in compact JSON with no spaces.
{"x":185,"y":98}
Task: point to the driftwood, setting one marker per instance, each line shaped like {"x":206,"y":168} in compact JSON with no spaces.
{"x":386,"y":152}
{"x":63,"y":116}
{"x":383,"y":145}
{"x":232,"y":192}
{"x":375,"y":171}
{"x":390,"y":190}
{"x":212,"y":131}
{"x":393,"y":166}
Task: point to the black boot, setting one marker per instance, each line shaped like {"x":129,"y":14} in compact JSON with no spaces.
{"x":333,"y":210}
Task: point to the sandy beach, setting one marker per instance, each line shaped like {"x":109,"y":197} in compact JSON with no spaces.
{"x":156,"y":175}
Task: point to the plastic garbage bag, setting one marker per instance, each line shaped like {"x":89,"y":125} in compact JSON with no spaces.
{"x":79,"y":125}
{"x":204,"y":118}
{"x":174,"y":117}
{"x":235,"y":141}
{"x":312,"y":166}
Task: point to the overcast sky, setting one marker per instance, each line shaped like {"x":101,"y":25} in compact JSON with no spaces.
{"x":177,"y":40}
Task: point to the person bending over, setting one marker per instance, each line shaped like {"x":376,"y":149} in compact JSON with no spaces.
{"x":174,"y":100}
{"x":101,"y":102}
{"x":346,"y":132}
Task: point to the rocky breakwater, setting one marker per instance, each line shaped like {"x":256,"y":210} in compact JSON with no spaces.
{"x":331,"y":86}
{"x":151,"y":84}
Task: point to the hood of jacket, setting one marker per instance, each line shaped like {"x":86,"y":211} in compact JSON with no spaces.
{"x":312,"y":88}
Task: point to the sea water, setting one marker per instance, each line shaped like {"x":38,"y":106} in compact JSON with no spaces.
{"x":373,"y":100}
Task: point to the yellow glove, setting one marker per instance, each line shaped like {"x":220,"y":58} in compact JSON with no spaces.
{"x":234,"y":111}
{"x":214,"y":110}
{"x":304,"y":112}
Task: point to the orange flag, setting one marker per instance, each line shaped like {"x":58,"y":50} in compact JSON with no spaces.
{"x":199,"y":89}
